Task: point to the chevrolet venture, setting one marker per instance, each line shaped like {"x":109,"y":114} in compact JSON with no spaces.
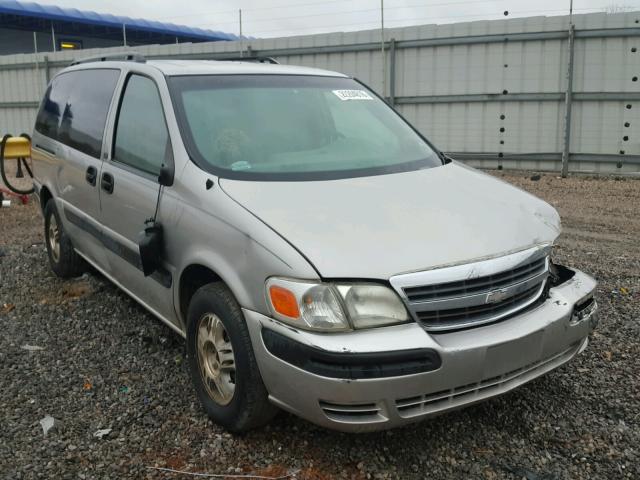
{"x":316,"y":251}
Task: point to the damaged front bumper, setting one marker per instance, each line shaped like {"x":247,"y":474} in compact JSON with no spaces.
{"x":386,"y":377}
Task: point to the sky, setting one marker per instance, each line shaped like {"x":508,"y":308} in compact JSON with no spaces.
{"x":278,"y":18}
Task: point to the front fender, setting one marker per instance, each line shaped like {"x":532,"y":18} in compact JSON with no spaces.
{"x":217,"y":233}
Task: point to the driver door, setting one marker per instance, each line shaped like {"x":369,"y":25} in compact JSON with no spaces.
{"x":129,"y":189}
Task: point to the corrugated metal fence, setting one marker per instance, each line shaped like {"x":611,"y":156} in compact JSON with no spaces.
{"x":492,"y":93}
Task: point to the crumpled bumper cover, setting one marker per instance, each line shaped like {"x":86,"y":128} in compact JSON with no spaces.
{"x":457,"y":369}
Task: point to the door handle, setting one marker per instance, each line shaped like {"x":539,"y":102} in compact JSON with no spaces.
{"x":107,"y":182}
{"x":50,"y":151}
{"x":92,"y":174}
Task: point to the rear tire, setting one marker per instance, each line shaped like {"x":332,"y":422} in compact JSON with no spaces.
{"x":222,"y":363}
{"x":64,"y":260}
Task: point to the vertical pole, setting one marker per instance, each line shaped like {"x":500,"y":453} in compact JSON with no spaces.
{"x":124,"y":34}
{"x":47,"y":72}
{"x":570,"y":12}
{"x":568,"y":96}
{"x":392,"y":72}
{"x":35,"y":51}
{"x":382,"y":51}
{"x":53,"y":38}
{"x":240,"y":22}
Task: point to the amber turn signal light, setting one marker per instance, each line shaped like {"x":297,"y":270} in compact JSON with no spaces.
{"x":284,"y":302}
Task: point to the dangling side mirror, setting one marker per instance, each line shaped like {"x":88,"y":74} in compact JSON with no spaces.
{"x":151,"y":245}
{"x":165,"y":178}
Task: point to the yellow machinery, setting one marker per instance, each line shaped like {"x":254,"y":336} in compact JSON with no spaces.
{"x":18,"y":149}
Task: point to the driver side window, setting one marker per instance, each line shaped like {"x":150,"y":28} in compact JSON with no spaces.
{"x":141,"y":137}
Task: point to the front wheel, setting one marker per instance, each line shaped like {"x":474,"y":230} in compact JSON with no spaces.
{"x":223,"y":367}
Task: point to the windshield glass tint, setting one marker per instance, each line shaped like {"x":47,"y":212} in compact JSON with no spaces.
{"x":297,"y":127}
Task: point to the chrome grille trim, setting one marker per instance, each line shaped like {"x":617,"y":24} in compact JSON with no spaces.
{"x":478,"y":314}
{"x":469,"y":287}
{"x":463,"y":296}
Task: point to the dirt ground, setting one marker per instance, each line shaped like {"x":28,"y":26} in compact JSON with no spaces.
{"x":107,"y":364}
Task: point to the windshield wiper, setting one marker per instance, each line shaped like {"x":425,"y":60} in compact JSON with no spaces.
{"x":443,"y":156}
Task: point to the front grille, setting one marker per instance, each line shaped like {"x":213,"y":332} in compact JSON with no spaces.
{"x":464,"y":296}
{"x":475,"y":285}
{"x":454,"y":316}
{"x":455,"y":397}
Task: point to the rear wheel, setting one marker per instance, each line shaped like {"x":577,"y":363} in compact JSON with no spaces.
{"x":64,"y":260}
{"x":223,"y":367}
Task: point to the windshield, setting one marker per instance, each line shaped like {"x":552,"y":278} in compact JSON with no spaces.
{"x":282,"y":127}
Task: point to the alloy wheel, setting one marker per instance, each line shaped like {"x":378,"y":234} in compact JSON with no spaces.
{"x":54,"y":238}
{"x":216,"y":359}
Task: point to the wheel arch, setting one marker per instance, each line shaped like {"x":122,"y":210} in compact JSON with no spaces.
{"x":191,"y":279}
{"x":45,"y":196}
{"x":198,"y":274}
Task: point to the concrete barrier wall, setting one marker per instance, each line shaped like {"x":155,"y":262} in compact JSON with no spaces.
{"x":491,"y":93}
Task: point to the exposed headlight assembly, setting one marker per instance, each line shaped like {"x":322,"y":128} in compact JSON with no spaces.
{"x":334,"y":307}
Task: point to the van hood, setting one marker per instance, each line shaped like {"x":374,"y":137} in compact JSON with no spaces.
{"x":380,"y":226}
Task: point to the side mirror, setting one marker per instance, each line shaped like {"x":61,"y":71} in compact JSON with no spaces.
{"x":166,"y":176}
{"x":151,"y":246}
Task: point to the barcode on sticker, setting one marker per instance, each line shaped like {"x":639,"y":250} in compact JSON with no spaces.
{"x":352,"y":95}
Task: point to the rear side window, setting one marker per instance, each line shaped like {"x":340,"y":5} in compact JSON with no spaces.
{"x":53,"y":105}
{"x":141,"y":139}
{"x":75,"y":109}
{"x":85,"y":114}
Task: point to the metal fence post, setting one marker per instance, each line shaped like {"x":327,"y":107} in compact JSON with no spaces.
{"x":47,"y":72}
{"x":392,"y":72}
{"x":568,"y":97}
{"x":383,"y":51}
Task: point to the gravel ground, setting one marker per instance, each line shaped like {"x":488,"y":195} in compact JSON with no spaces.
{"x":107,"y":364}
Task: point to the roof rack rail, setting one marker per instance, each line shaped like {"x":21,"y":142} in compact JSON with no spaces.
{"x":123,"y":56}
{"x":249,"y":59}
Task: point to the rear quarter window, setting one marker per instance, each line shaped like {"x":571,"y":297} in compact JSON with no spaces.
{"x":74,"y":110}
{"x":48,"y":119}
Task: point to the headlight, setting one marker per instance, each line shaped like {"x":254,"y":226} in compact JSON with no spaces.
{"x":372,"y":305}
{"x":328,"y":307}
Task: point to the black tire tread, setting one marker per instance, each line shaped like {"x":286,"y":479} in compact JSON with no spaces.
{"x":254,"y":409}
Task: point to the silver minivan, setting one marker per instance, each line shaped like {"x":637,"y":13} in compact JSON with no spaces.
{"x":318,"y":254}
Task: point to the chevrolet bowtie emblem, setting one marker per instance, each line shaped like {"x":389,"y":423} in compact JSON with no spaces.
{"x":497,"y":295}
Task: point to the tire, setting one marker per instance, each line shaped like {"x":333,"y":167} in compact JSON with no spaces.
{"x":64,"y":260}
{"x":235,"y":398}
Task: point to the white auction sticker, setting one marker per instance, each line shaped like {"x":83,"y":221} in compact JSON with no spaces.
{"x":352,"y":95}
